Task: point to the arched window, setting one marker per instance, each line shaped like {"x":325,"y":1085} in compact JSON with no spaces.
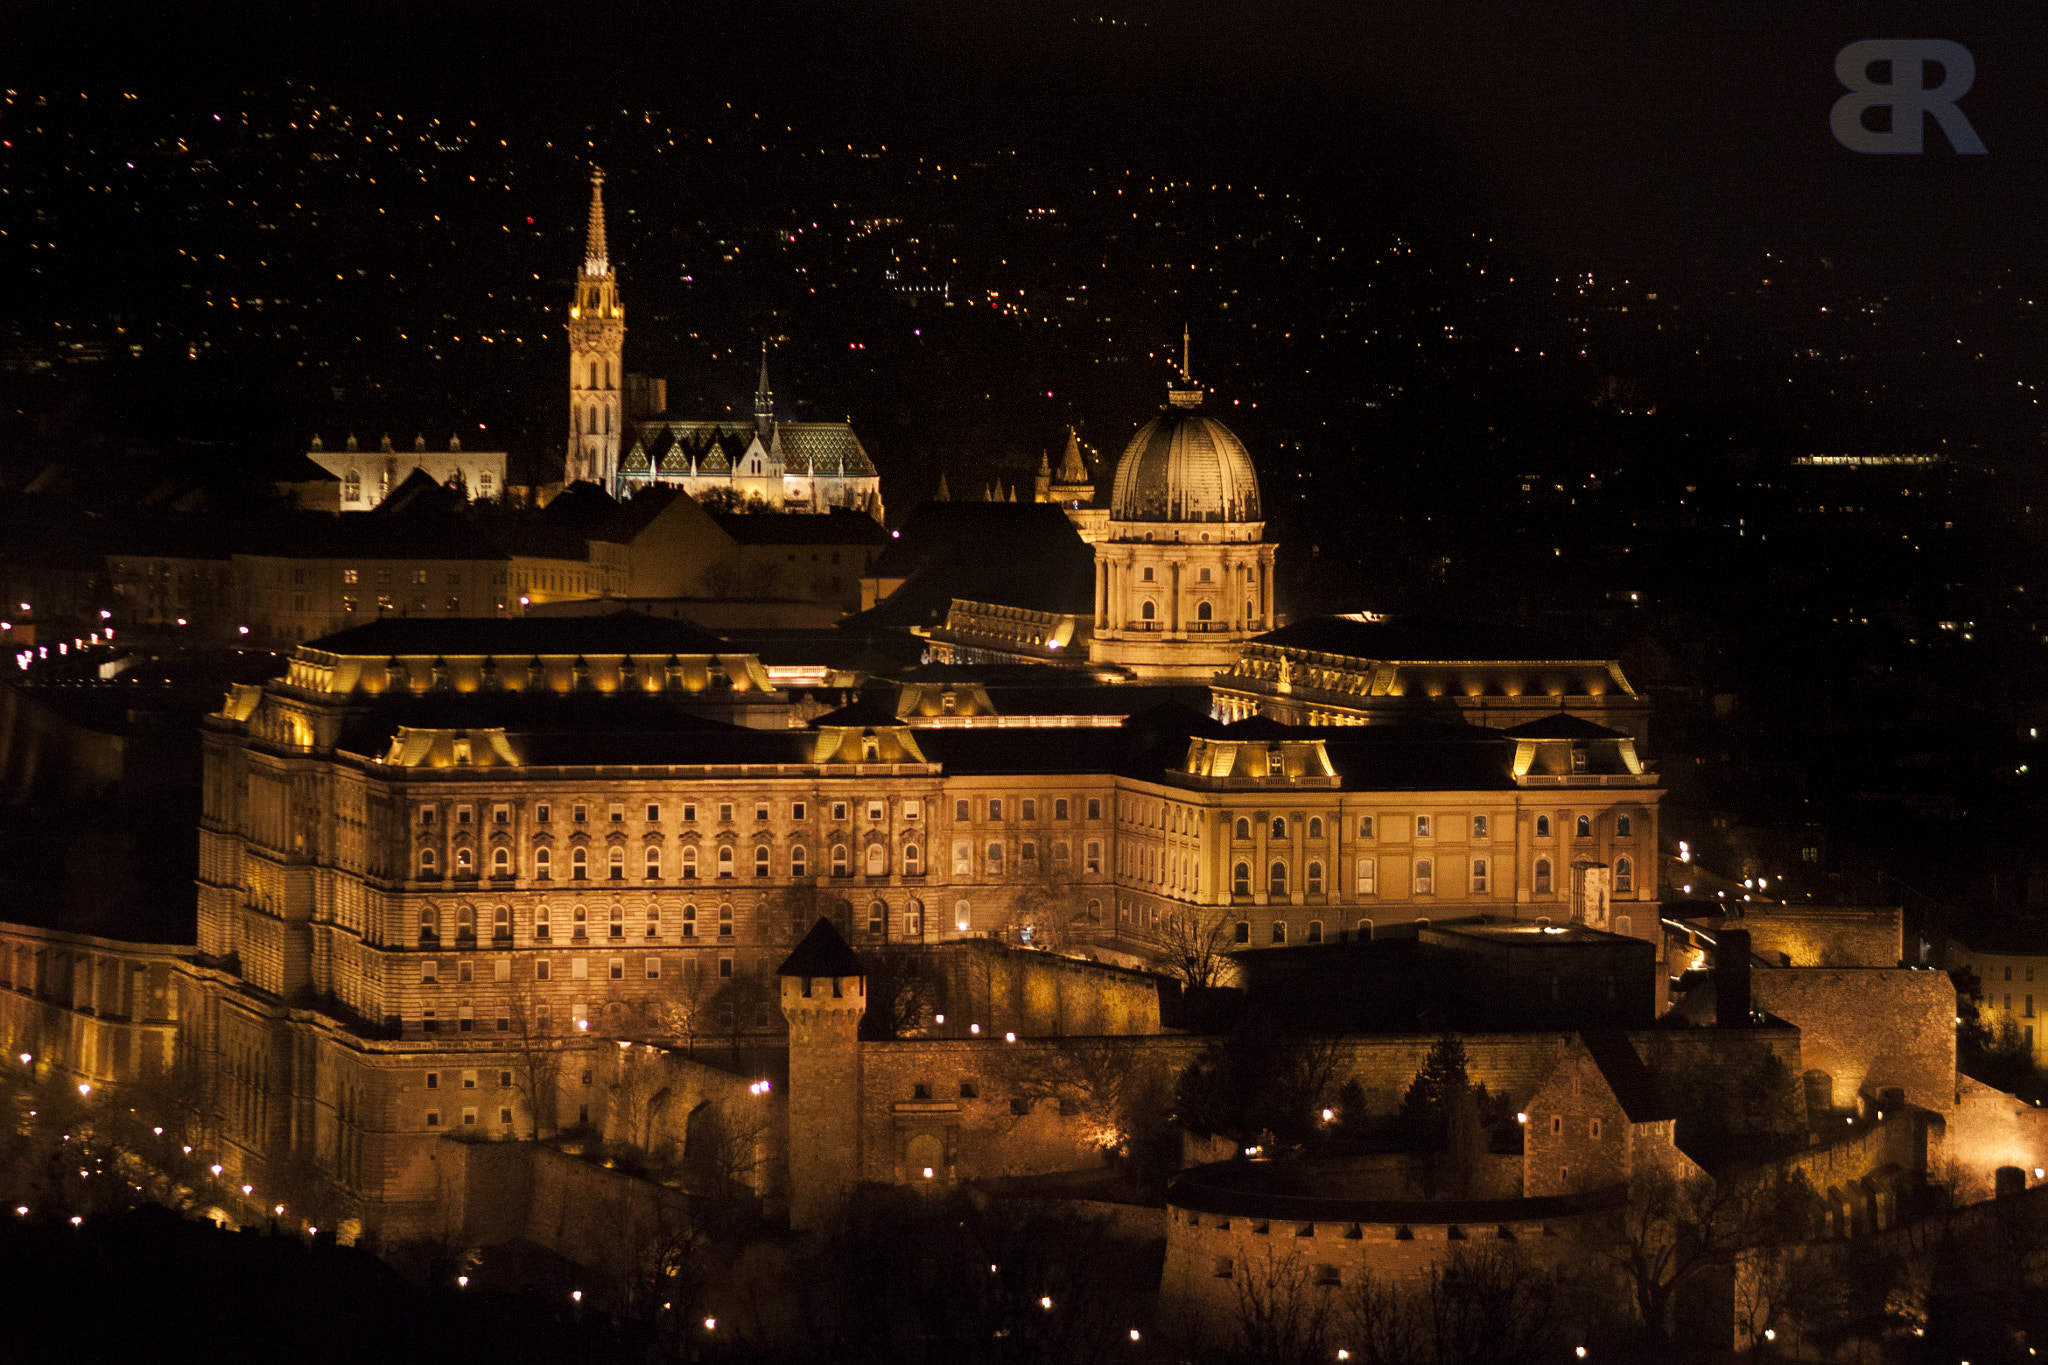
{"x":761,"y":860}
{"x":1241,"y":932}
{"x":579,"y":922}
{"x":1315,"y":879}
{"x":1146,"y":611}
{"x":1276,"y":879}
{"x":878,"y":919}
{"x":543,"y":865}
{"x":579,"y":864}
{"x":1585,"y":826}
{"x":653,"y":864}
{"x":352,"y":487}
{"x":1623,"y":827}
{"x":1241,"y":880}
{"x":995,"y":857}
{"x":501,"y":923}
{"x":429,"y":865}
{"x":1624,"y":876}
{"x":615,"y":865}
{"x":911,"y":867}
{"x":462,"y":864}
{"x":430,"y":924}
{"x":653,"y":920}
{"x":963,"y":916}
{"x":799,"y":861}
{"x":1279,"y":830}
{"x":593,"y":374}
{"x":618,"y":921}
{"x":1244,"y":828}
{"x":839,"y":864}
{"x":465,"y":924}
{"x":913,"y":920}
{"x":689,"y":864}
{"x":1624,"y":926}
{"x":725,"y":921}
{"x":1365,"y":827}
{"x":1279,"y":931}
{"x":501,"y":862}
{"x":1203,"y":611}
{"x":1365,"y":930}
{"x":1315,"y":828}
{"x":1543,"y":876}
{"x":878,"y":860}
{"x":540,"y":922}
{"x":1425,"y":877}
{"x":689,"y":921}
{"x":1315,"y":931}
{"x":725,"y":861}
{"x":1543,"y":827}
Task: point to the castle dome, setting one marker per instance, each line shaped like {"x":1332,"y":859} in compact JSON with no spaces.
{"x":1184,"y":466}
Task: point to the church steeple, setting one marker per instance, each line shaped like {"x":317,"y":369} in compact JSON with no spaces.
{"x":764,"y":396}
{"x":597,"y":346}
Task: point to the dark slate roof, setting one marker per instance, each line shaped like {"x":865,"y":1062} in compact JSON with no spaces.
{"x":628,"y":519}
{"x":1014,"y":554}
{"x":419,"y":494}
{"x":865,"y":712}
{"x":619,"y":633}
{"x":1627,"y":1077}
{"x":1423,"y":638}
{"x":581,"y":508}
{"x":837,"y":527}
{"x":823,"y":952}
{"x":1562,"y":726}
{"x":1420,"y":757}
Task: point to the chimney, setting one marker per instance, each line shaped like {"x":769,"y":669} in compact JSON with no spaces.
{"x":1731,"y":978}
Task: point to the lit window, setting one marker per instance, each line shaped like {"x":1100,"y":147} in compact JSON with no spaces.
{"x":1479,"y":874}
{"x":1422,"y":826}
{"x":1367,"y":877}
{"x":1479,"y":827}
{"x":1425,"y":880}
{"x":1624,"y":876}
{"x":725,"y":861}
{"x":911,"y":867}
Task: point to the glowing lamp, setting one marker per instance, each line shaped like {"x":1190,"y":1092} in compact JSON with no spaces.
{"x":1045,"y":1301}
{"x":576,"y":1296}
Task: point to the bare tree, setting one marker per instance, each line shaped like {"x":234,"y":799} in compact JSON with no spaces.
{"x":723,"y":1150}
{"x":537,"y":1054}
{"x":739,"y":998}
{"x":1095,"y":1078}
{"x":1046,"y":891}
{"x":1282,"y":1316}
{"x":1197,"y":948}
{"x":1680,"y":1224}
{"x":685,"y":1012}
{"x":903,"y":992}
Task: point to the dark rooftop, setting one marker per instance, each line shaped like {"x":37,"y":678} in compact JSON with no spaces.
{"x":823,"y":952}
{"x":1424,"y":638}
{"x":620,"y":632}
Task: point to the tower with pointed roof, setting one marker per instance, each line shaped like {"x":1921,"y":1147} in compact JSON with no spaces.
{"x":597,"y":347}
{"x":764,"y":398}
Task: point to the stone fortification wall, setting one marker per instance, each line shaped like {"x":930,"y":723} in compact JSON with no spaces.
{"x":1040,"y":995}
{"x":1827,"y":935}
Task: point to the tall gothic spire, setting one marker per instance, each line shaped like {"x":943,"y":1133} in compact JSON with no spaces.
{"x":1187,"y":374}
{"x":764,"y":397}
{"x":596,"y":260}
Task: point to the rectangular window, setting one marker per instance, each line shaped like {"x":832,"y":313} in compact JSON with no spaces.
{"x":1479,"y":874}
{"x":876,"y":810}
{"x":618,"y":967}
{"x":689,"y":812}
{"x":505,"y":1115}
{"x":1479,"y":827}
{"x":469,"y":1080}
{"x":654,"y":969}
{"x":579,"y":969}
{"x":433,"y":1118}
{"x":796,"y":810}
{"x":1030,"y":809}
{"x":1367,"y":877}
{"x":653,"y":814}
{"x":543,"y":813}
{"x":426,"y":815}
{"x":541,"y":969}
{"x":995,"y":809}
{"x":433,"y":1080}
{"x":1422,"y":826}
{"x":838,"y":810}
{"x":501,"y":969}
{"x":618,"y":813}
{"x":960,"y":811}
{"x":912,"y":809}
{"x":1094,"y":863}
{"x":579,"y":813}
{"x":1094,"y":808}
{"x":1059,"y":809}
{"x":430,"y":972}
{"x":725,"y":811}
{"x":501,"y":815}
{"x":725,"y":967}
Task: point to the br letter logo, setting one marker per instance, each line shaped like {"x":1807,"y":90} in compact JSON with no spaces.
{"x":1905,"y":96}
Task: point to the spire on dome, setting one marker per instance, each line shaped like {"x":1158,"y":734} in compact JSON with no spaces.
{"x":1187,"y":394}
{"x":1186,"y":371}
{"x":596,"y":260}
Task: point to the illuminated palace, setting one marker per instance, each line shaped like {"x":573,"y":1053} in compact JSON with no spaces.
{"x":621,"y":438}
{"x":431,"y":839}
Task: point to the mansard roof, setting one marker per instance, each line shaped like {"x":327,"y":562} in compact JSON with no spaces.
{"x":1563,"y":726}
{"x":621,"y":632}
{"x":840,"y":526}
{"x":1425,"y":639}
